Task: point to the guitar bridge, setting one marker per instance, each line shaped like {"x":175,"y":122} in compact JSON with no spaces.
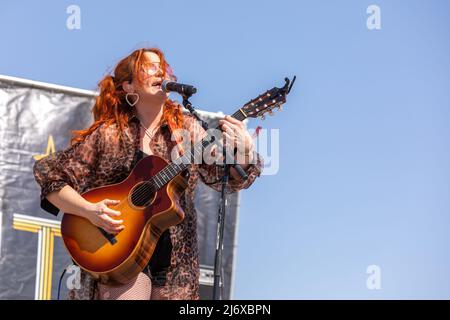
{"x":111,"y":238}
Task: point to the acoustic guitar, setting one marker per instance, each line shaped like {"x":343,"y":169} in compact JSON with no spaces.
{"x":148,"y":204}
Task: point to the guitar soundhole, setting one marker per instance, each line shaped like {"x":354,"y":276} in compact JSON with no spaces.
{"x":142,"y":194}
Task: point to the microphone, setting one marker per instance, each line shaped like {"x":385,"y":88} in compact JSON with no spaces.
{"x":183,"y":89}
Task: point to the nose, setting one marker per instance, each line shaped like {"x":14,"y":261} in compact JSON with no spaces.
{"x":159,"y":73}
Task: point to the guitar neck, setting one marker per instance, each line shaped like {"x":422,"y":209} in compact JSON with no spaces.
{"x":180,"y":164}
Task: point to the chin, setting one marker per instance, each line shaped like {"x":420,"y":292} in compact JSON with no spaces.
{"x":159,"y":96}
{"x":156,"y":95}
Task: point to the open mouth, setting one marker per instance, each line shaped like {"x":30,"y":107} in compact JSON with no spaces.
{"x":157,"y":83}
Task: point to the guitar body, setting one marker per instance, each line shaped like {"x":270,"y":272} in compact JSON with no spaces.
{"x":119,"y":259}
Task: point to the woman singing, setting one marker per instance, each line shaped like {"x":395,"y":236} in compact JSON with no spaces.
{"x":134,"y":118}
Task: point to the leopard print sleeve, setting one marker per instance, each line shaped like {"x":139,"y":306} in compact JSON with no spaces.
{"x":211,"y":174}
{"x":74,"y":166}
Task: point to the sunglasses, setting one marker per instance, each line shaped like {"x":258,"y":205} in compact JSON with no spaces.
{"x":154,"y":68}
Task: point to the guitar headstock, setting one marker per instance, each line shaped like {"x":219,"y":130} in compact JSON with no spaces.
{"x":268,"y":101}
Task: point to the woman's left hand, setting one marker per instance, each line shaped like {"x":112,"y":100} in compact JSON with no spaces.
{"x":234,"y":130}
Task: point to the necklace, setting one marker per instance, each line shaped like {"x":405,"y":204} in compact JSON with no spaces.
{"x":150,"y":135}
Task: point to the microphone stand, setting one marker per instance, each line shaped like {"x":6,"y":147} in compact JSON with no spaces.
{"x":218,"y":281}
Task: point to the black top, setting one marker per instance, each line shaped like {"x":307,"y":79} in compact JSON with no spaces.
{"x":160,"y":260}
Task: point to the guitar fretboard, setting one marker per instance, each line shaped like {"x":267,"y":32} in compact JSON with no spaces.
{"x":181,"y":163}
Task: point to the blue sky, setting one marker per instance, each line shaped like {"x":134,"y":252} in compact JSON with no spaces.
{"x":364,"y":176}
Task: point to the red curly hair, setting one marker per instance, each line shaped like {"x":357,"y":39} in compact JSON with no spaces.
{"x":110,"y":105}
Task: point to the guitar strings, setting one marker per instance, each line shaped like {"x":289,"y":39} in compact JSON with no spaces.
{"x":146,"y":189}
{"x":149,"y":186}
{"x":143,"y":190}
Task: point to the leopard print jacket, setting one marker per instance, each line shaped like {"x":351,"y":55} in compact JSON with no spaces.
{"x":103,"y":158}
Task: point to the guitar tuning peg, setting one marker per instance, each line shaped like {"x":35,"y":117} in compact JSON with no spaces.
{"x":271,"y":113}
{"x":280,"y":108}
{"x":263,"y":117}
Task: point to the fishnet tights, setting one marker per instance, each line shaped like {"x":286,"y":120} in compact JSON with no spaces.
{"x":139,"y":289}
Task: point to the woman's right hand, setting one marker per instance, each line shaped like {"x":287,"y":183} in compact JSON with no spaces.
{"x":101,"y":215}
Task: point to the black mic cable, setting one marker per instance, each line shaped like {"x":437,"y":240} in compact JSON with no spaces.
{"x":60,"y":280}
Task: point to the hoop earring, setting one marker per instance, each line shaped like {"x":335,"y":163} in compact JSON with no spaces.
{"x":134,"y":94}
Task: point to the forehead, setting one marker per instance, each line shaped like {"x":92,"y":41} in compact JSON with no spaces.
{"x":152,"y":57}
